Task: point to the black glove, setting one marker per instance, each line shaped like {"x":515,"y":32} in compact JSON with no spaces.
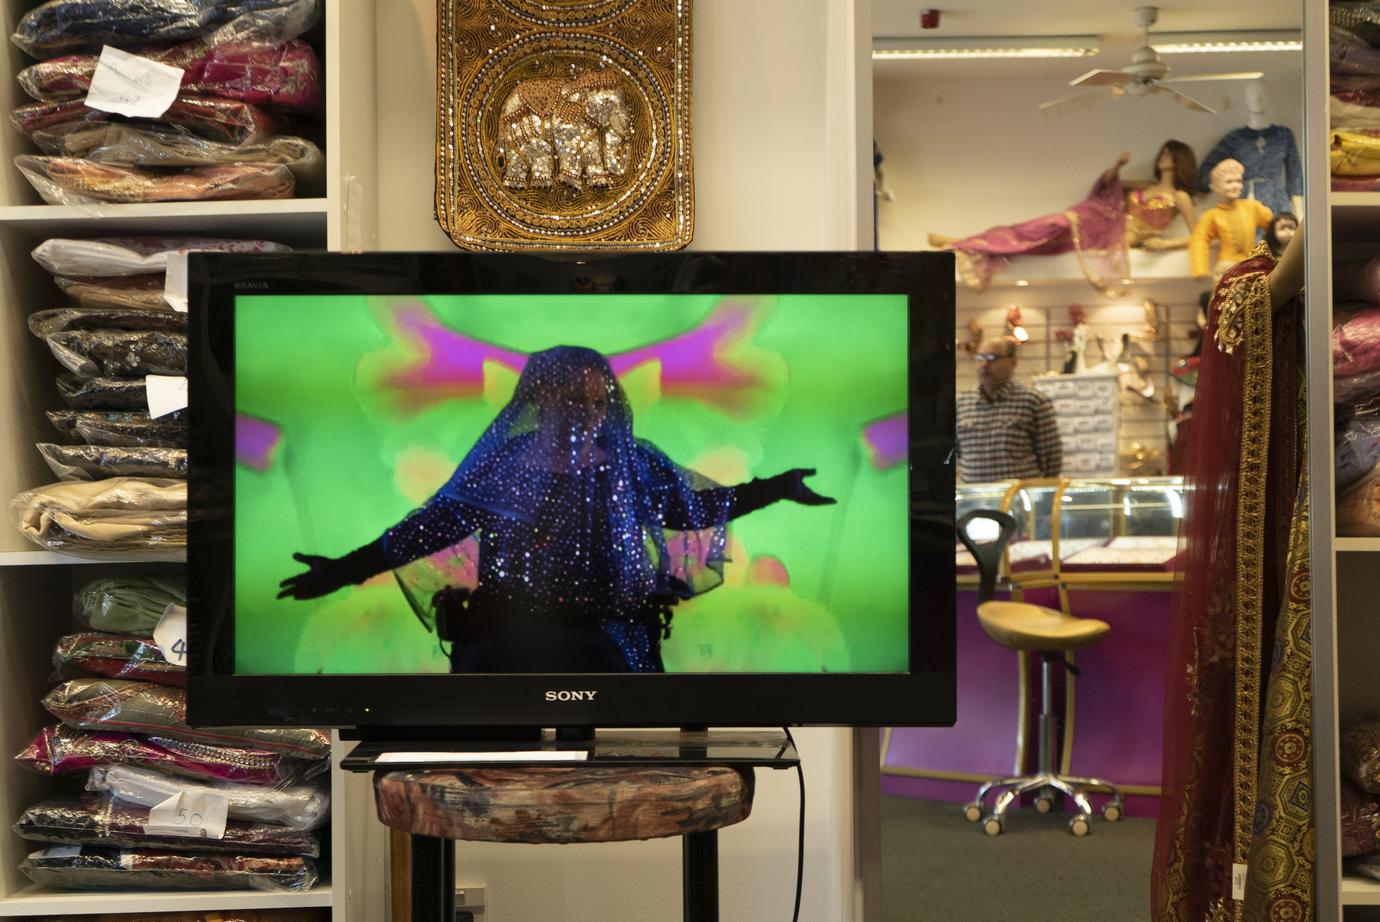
{"x":792,"y":487}
{"x":758,"y":494}
{"x":327,"y":574}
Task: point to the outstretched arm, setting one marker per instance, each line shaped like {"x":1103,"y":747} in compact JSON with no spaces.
{"x":440,"y":523}
{"x":718,"y":504}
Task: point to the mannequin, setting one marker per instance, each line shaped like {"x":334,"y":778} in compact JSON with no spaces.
{"x":1269,"y":153}
{"x":1233,"y":222}
{"x":1151,"y":208}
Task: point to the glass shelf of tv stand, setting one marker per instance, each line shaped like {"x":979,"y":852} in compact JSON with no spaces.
{"x":1112,"y":530}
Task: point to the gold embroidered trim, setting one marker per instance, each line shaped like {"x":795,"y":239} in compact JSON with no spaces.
{"x":1254,"y":329}
{"x":1111,"y":291}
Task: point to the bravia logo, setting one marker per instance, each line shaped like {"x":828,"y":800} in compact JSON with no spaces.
{"x":571,"y":695}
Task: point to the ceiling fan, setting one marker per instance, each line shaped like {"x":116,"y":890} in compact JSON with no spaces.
{"x":1144,"y":76}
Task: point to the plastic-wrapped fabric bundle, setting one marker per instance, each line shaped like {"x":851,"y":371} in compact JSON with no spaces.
{"x":1350,"y":389}
{"x":146,"y":869}
{"x":1356,"y":183}
{"x":1350,"y":116}
{"x":74,"y":181}
{"x":302,"y":807}
{"x":1360,"y":820}
{"x":1359,"y":17}
{"x":139,"y":707}
{"x":67,"y":26}
{"x":104,"y":257}
{"x":103,"y":393}
{"x":63,"y":319}
{"x":93,"y":462}
{"x":210,"y":915}
{"x":1348,"y":53}
{"x":165,"y":146}
{"x":1360,"y":751}
{"x":120,"y":518}
{"x":64,"y":750}
{"x":1357,"y":280}
{"x":1357,"y":449}
{"x":286,"y":76}
{"x":124,"y":292}
{"x":115,"y":656}
{"x":126,"y":604}
{"x":1355,"y":152}
{"x":102,"y":821}
{"x":1358,"y":509}
{"x":132,"y":430}
{"x":1356,"y":340}
{"x":120,"y":353}
{"x":226,"y":120}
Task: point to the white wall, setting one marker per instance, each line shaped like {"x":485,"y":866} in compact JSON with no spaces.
{"x":963,"y":155}
{"x":782,"y":109}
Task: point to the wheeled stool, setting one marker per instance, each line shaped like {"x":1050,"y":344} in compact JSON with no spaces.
{"x":1051,"y":634}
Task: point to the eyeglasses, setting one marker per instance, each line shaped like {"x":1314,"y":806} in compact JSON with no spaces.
{"x":985,"y":357}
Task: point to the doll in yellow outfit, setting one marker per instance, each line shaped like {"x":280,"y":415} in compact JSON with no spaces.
{"x":1233,"y":223}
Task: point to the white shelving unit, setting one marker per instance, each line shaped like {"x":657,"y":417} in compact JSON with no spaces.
{"x":36,"y":585}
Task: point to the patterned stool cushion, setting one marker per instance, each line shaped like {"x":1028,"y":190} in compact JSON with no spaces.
{"x":563,"y":804}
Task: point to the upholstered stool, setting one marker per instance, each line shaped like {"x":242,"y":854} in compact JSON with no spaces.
{"x":562,"y":805}
{"x":1050,"y":634}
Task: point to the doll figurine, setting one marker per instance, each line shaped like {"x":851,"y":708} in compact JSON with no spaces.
{"x":1151,"y":208}
{"x":1233,"y":222}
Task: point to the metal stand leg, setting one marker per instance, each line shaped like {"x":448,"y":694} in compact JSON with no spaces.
{"x":700,"y":876}
{"x":433,"y":879}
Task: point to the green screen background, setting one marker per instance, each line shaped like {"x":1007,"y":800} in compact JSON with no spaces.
{"x":806,"y":589}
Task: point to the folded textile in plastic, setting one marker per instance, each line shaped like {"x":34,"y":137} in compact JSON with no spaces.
{"x":1360,"y":751}
{"x":74,"y":181}
{"x":66,"y":26}
{"x":119,"y":353}
{"x":286,"y":76}
{"x":120,"y":256}
{"x":166,"y":146}
{"x":1355,"y":152}
{"x":146,"y":869}
{"x":1351,"y":116}
{"x":93,"y":462}
{"x":122,"y":292}
{"x":321,"y":914}
{"x":102,"y":821}
{"x":1358,"y":509}
{"x":1357,"y":280}
{"x":158,"y":710}
{"x":1360,"y":821}
{"x":64,"y":750}
{"x":1356,"y":339}
{"x":1357,"y":449}
{"x":126,"y":604}
{"x":1361,"y":18}
{"x":128,"y":429}
{"x":1350,"y":389}
{"x":1356,"y":183}
{"x":64,"y":319}
{"x":115,"y":656}
{"x":217,"y":119}
{"x":302,"y":807}
{"x":1348,"y":53}
{"x":103,"y":393}
{"x":128,"y":518}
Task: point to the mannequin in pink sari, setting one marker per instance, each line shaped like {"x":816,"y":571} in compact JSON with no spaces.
{"x":1094,"y":229}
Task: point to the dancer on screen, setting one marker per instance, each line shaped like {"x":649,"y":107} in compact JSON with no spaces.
{"x":586,"y":536}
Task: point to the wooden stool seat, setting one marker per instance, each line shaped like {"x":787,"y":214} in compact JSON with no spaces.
{"x":551,"y":804}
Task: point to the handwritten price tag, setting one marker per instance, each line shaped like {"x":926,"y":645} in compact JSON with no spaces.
{"x":171,"y":635}
{"x":196,"y":815}
{"x":175,"y":281}
{"x":165,"y":394}
{"x":127,"y":84}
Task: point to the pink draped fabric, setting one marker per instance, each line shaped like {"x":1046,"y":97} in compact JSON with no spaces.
{"x":1094,"y":228}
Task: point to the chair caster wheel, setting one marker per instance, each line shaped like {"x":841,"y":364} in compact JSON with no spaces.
{"x":1044,"y":803}
{"x":1111,"y":812}
{"x":993,"y":825}
{"x":972,"y":812}
{"x":1079,"y":826}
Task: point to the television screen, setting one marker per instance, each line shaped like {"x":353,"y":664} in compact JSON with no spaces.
{"x":487,"y":478}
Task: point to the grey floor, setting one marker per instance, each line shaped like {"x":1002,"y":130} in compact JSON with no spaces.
{"x":936,"y":866}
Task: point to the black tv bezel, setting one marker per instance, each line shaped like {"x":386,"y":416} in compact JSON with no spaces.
{"x":924,"y":696}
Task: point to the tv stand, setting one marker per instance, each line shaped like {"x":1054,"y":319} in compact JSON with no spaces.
{"x":568,"y":785}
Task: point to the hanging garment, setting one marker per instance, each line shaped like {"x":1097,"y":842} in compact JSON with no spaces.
{"x":1274,"y":172}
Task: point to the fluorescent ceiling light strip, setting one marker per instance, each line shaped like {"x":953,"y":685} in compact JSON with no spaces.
{"x":951,"y":54}
{"x":1224,"y":47}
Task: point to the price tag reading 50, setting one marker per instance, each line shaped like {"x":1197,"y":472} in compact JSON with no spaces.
{"x":196,"y":814}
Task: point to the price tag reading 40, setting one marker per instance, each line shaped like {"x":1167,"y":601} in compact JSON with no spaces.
{"x":171,"y":635}
{"x":196,"y":814}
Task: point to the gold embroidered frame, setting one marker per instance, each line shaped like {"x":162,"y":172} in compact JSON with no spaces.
{"x":513,"y":78}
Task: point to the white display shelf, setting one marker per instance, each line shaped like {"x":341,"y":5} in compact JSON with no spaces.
{"x":303,"y":217}
{"x":1357,"y":545}
{"x":40,"y":901}
{"x":1355,"y":215}
{"x":1360,"y":891}
{"x":1146,"y":268}
{"x":36,"y":558}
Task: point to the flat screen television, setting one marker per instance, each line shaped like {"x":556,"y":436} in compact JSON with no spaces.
{"x":696,"y":489}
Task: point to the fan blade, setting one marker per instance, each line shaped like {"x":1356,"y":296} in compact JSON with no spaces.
{"x":1105,"y":78}
{"x":1184,"y":100}
{"x":1073,"y":103}
{"x":1240,"y":75}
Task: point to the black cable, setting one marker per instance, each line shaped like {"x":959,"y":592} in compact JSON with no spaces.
{"x":800,"y":841}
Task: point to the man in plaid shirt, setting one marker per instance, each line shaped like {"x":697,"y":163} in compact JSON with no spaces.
{"x":1006,"y":431}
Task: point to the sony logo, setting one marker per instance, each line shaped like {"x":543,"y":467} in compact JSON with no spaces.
{"x":571,"y":695}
